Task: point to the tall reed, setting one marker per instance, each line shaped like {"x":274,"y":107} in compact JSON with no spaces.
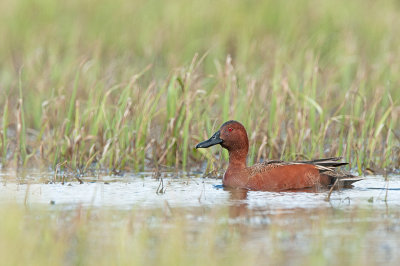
{"x":138,"y":90}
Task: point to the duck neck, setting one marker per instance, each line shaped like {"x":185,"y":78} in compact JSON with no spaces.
{"x":237,"y":159}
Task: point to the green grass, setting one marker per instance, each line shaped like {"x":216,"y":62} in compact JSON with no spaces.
{"x":136,"y":84}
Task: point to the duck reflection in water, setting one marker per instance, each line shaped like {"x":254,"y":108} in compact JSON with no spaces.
{"x":238,"y":203}
{"x":239,"y":199}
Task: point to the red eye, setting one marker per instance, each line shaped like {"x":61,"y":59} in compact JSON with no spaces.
{"x":230,"y":129}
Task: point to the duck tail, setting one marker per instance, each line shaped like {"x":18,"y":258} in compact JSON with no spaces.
{"x":327,"y":168}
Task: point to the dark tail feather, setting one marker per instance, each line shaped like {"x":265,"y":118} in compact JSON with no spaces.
{"x":347,"y":182}
{"x":345,"y":179}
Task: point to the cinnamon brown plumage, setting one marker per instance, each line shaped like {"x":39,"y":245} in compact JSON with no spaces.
{"x":273,"y":175}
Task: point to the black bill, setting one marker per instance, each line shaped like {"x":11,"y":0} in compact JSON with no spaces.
{"x":214,"y":140}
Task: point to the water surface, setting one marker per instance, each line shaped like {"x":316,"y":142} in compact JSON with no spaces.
{"x":370,"y":210}
{"x":189,"y":190}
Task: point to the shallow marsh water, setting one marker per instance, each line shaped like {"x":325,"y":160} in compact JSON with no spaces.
{"x":297,"y":220}
{"x":188,"y":190}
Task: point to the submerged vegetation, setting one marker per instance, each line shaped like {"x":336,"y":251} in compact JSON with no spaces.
{"x":135,"y":84}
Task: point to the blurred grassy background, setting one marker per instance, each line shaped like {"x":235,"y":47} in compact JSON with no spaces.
{"x":91,"y":236}
{"x":135,"y":84}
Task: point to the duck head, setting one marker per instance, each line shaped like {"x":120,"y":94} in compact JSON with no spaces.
{"x":232,"y":136}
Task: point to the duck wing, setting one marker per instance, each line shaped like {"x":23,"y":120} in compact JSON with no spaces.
{"x":326,"y":167}
{"x":326,"y":164}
